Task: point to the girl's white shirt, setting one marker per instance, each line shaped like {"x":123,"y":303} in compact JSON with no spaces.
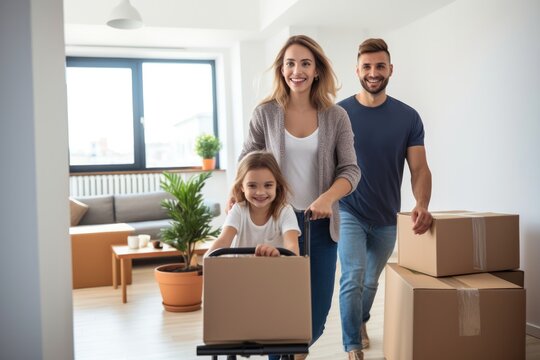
{"x":250,"y":235}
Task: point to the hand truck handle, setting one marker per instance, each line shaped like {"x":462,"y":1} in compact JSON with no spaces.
{"x":246,"y":251}
{"x":307,"y":234}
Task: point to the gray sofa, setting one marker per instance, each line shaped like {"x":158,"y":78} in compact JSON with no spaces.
{"x":141,"y":211}
{"x":98,"y":223}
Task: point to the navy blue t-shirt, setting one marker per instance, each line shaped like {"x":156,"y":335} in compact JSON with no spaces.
{"x":382,"y":135}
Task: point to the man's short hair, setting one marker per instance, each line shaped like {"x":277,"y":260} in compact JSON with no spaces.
{"x":372,"y":46}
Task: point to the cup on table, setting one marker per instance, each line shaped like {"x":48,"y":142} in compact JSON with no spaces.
{"x":144,"y":239}
{"x":133,"y":241}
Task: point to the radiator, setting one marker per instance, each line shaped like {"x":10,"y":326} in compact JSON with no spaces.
{"x":89,"y":185}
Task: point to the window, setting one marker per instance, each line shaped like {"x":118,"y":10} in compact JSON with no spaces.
{"x":138,"y":114}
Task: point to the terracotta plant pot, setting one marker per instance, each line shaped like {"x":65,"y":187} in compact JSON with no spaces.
{"x":181,"y":291}
{"x":209,"y":164}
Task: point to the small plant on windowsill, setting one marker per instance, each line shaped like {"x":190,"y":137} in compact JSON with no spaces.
{"x":207,"y":146}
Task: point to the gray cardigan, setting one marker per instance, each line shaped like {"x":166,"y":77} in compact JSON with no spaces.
{"x":336,"y":154}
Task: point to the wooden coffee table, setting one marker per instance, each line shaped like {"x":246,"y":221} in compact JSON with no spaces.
{"x":126,"y":255}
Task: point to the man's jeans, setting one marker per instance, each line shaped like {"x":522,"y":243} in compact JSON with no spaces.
{"x":363,"y":252}
{"x":323,"y":257}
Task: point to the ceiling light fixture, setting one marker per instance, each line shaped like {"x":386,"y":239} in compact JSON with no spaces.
{"x":125,"y":16}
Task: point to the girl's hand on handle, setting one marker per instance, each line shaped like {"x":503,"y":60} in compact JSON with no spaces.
{"x":321,"y":208}
{"x":266,"y":250}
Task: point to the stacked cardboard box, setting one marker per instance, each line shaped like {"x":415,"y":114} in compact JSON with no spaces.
{"x":480,"y":315}
{"x":460,"y":242}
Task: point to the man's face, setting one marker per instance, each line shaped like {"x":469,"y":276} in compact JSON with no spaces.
{"x":374,"y":71}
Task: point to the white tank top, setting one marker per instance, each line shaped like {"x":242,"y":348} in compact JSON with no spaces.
{"x":301,"y":168}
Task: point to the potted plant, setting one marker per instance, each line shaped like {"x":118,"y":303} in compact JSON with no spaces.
{"x":181,"y":284}
{"x":207,"y":146}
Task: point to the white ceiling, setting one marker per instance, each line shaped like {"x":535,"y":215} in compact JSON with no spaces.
{"x":221,"y":23}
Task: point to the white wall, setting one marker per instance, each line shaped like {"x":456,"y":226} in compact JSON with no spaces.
{"x":35,"y":261}
{"x":341,"y":46}
{"x":471,"y":70}
{"x":270,"y":10}
{"x":252,"y":65}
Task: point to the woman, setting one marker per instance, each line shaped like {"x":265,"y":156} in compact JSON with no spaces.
{"x":312,"y":140}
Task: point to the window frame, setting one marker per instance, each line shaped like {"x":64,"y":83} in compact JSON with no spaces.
{"x":139,"y":152}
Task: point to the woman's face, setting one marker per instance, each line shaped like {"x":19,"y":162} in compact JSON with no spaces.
{"x":298,"y":68}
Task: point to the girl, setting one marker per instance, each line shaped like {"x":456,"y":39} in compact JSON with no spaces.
{"x":260,"y":217}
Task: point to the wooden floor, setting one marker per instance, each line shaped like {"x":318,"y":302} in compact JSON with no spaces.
{"x":106,"y":329}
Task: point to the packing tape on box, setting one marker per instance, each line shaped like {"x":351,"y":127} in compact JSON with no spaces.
{"x":479,"y":238}
{"x":468,"y":301}
{"x":469,"y":312}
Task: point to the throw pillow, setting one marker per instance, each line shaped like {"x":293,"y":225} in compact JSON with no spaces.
{"x":77,"y":210}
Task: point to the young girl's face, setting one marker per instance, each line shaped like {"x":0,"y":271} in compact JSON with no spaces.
{"x":259,"y":188}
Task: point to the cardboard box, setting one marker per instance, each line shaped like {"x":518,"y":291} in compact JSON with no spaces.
{"x":514,"y":276}
{"x":91,"y":253}
{"x":468,"y":317}
{"x":460,"y":242}
{"x":257,"y":299}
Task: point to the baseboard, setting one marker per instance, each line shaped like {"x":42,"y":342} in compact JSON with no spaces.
{"x":533,"y":330}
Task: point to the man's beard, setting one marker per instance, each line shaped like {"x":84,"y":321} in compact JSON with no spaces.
{"x":376,"y":91}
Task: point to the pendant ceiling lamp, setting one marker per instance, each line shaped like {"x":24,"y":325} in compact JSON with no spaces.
{"x":125,"y":16}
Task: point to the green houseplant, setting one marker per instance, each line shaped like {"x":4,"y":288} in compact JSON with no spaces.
{"x":181,"y":284}
{"x":207,"y":146}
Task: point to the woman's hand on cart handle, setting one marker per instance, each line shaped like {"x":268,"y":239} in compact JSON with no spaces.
{"x":321,"y":208}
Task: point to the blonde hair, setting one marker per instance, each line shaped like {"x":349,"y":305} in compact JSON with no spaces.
{"x":262,"y":160}
{"x":323,"y":91}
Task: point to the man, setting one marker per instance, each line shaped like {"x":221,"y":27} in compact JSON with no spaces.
{"x":387,"y":132}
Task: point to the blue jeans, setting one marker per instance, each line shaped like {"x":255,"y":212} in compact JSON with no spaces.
{"x":323,"y":257}
{"x":363,"y":252}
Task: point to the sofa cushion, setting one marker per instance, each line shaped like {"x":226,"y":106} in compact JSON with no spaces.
{"x":140,"y":207}
{"x":214,"y":207}
{"x":77,"y":210}
{"x":100,"y":210}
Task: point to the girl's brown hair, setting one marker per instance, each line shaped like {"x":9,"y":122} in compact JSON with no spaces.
{"x":323,"y":91}
{"x":262,"y":160}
